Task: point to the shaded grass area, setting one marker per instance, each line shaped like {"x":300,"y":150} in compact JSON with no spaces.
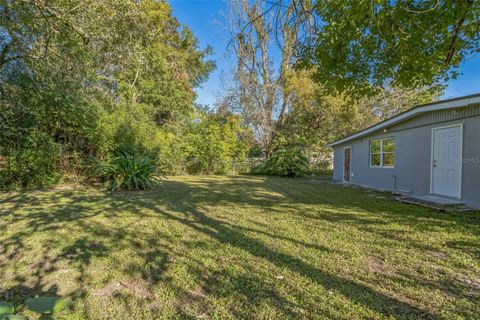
{"x":239,"y":247}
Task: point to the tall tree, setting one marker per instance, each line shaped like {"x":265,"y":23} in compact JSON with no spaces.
{"x":265,"y":56}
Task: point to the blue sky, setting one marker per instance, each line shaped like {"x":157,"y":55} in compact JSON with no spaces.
{"x":205,"y":18}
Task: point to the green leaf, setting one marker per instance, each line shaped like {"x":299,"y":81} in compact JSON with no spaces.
{"x":48,"y":304}
{"x":6,"y":308}
{"x":13,"y":317}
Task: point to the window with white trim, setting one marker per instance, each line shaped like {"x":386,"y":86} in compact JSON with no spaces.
{"x":382,"y":153}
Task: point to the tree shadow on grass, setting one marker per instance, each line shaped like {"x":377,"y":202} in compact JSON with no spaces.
{"x":187,"y":210}
{"x":343,"y":213}
{"x":188,"y":203}
{"x":355,"y":292}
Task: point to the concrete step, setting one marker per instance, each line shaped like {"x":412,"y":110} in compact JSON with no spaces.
{"x":432,"y":202}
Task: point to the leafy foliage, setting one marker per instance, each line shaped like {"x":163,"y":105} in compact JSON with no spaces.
{"x":6,"y":308}
{"x":48,"y":305}
{"x":215,"y":142}
{"x":82,"y":79}
{"x":43,"y":305}
{"x":210,"y":143}
{"x":129,"y":128}
{"x":289,"y":162}
{"x":13,"y":317}
{"x":35,"y":163}
{"x":129,"y":172}
{"x":361,"y":46}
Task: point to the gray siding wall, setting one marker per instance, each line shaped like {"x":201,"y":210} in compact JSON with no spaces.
{"x":413,"y":141}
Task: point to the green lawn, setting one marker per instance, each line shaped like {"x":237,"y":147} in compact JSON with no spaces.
{"x":239,"y":247}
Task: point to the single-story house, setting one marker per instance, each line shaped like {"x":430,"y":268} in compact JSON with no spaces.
{"x":431,"y":150}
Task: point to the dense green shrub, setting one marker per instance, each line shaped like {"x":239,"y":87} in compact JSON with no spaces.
{"x":129,"y":172}
{"x":320,"y":168}
{"x":205,"y":144}
{"x":125,"y":128}
{"x":214,"y":145}
{"x":35,"y":163}
{"x":288,"y":162}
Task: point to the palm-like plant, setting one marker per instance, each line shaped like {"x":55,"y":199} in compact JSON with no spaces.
{"x":130,"y":172}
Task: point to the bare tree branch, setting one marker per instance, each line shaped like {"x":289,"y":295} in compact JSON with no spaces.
{"x":456,"y":31}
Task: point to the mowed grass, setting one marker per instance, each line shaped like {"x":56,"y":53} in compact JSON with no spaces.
{"x":239,"y":248}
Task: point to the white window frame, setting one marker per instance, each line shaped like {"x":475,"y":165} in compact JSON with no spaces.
{"x":381,"y":153}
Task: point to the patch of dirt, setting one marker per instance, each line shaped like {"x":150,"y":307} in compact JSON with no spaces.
{"x":192,"y":297}
{"x":472,"y":283}
{"x":376,"y":265}
{"x":66,"y":187}
{"x":192,"y":302}
{"x":319,"y":181}
{"x":439,"y":254}
{"x":117,"y":288}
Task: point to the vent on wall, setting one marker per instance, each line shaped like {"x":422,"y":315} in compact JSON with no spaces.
{"x":452,"y":114}
{"x":440,"y":116}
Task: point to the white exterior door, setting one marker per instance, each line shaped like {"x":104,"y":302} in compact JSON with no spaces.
{"x":447,"y":161}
